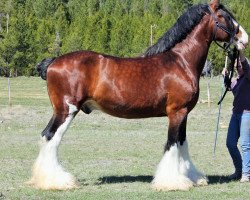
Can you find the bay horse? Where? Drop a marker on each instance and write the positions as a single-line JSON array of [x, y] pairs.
[[162, 82]]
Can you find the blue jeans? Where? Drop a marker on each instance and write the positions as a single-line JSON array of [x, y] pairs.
[[239, 127]]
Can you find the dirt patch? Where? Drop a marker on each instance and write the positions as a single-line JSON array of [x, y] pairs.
[[13, 112], [21, 114]]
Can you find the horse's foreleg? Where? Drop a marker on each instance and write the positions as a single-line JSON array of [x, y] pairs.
[[187, 167], [176, 171], [168, 174], [47, 171]]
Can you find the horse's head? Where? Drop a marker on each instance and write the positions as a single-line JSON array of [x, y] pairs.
[[226, 28]]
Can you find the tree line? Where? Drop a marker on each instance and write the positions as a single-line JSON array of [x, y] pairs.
[[31, 30]]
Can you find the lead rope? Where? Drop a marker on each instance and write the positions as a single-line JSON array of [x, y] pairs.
[[218, 118], [232, 57]]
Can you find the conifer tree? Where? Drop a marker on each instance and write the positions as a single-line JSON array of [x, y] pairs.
[[46, 28]]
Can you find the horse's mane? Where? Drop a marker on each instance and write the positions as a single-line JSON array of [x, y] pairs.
[[184, 25]]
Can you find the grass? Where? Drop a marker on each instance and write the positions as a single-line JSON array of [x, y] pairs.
[[112, 158]]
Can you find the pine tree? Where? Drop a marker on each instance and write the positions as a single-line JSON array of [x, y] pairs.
[[46, 28]]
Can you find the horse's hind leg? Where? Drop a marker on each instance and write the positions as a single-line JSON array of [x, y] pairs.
[[47, 171]]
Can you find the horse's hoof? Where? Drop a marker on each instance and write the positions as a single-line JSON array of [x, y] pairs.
[[163, 188], [42, 186], [203, 181], [66, 183], [183, 183]]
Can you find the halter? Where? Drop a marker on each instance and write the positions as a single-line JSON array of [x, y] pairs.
[[225, 29], [232, 55]]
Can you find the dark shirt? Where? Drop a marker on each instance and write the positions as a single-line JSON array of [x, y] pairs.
[[241, 90]]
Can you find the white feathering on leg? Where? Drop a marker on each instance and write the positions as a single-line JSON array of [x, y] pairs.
[[176, 170], [47, 171], [188, 169], [168, 176]]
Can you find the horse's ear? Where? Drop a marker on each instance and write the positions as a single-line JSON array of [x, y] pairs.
[[214, 4]]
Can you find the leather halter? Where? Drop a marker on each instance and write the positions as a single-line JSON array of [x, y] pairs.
[[221, 26], [233, 56]]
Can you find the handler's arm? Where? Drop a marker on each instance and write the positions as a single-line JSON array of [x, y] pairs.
[[245, 66]]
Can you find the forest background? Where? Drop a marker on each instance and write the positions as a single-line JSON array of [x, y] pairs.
[[31, 30]]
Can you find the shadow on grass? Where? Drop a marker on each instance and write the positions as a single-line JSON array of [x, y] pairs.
[[216, 179], [123, 179], [213, 179], [2, 196]]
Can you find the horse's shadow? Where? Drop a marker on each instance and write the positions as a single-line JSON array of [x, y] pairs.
[[124, 179], [213, 179], [218, 179]]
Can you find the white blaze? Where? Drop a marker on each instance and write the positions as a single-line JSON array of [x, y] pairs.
[[241, 41]]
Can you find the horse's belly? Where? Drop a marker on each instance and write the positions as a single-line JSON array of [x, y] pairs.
[[124, 111]]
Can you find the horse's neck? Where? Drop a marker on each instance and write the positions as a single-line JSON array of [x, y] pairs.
[[194, 49]]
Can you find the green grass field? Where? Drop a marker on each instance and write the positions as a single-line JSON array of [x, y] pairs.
[[111, 158]]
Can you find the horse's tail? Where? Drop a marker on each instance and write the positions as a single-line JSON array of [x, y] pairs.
[[43, 66]]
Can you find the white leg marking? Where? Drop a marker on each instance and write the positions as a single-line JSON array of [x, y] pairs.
[[176, 171], [188, 169], [47, 171], [168, 175]]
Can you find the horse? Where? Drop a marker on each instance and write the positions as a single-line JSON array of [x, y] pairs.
[[164, 82]]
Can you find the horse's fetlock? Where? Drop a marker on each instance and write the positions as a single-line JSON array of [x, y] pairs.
[[48, 135]]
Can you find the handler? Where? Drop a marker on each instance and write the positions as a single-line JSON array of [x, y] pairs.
[[239, 126]]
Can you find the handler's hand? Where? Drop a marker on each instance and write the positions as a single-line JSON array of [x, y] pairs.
[[224, 72]]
